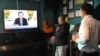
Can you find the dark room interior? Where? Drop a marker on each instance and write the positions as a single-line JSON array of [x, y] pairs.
[[33, 41]]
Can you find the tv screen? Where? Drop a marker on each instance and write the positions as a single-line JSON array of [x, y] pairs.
[[20, 19]]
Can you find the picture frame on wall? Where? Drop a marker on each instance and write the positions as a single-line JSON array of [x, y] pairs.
[[64, 1], [65, 10], [90, 2], [77, 13], [79, 2], [71, 4], [71, 14]]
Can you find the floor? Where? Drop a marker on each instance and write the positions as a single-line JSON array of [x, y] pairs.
[[23, 50]]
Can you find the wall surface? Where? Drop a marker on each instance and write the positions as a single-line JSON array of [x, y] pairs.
[[97, 9], [77, 7]]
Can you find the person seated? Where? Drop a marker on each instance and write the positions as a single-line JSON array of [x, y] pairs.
[[20, 21]]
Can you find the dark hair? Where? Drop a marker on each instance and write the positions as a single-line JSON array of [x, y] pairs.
[[47, 23], [20, 12], [88, 8], [62, 17]]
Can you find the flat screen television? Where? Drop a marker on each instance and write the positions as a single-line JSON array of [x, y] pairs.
[[20, 19]]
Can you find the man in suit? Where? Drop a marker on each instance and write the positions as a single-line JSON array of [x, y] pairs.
[[20, 20]]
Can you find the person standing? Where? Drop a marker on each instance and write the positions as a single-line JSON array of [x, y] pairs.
[[61, 36], [87, 37]]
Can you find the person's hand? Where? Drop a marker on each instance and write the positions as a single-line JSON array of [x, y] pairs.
[[52, 38], [57, 28], [74, 37]]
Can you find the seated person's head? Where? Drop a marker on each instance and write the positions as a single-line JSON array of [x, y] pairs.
[[46, 23]]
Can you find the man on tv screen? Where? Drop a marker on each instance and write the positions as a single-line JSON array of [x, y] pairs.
[[21, 21]]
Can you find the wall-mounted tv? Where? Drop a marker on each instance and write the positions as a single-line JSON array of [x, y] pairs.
[[20, 19]]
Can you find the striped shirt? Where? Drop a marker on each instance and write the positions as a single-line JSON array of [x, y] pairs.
[[88, 34]]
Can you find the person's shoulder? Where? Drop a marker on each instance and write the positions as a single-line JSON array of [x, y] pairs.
[[17, 19], [24, 19]]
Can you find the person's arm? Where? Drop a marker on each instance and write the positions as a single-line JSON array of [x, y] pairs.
[[83, 34], [16, 21], [25, 22]]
